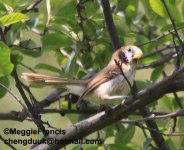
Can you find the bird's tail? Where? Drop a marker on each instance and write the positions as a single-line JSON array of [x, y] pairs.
[[45, 80]]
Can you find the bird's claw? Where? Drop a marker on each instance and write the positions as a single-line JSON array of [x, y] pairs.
[[78, 106], [124, 100]]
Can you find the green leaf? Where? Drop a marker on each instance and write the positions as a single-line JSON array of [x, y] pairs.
[[181, 125], [71, 65], [157, 72], [158, 7], [122, 5], [181, 130], [31, 53], [172, 2], [55, 40], [182, 9], [124, 137], [87, 59], [6, 66], [48, 67], [141, 84], [11, 3], [16, 58], [167, 102], [2, 9], [109, 140], [122, 147], [3, 80], [13, 18], [29, 48], [171, 144], [149, 60], [170, 27], [150, 14]]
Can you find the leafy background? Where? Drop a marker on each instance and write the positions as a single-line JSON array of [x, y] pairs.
[[39, 39]]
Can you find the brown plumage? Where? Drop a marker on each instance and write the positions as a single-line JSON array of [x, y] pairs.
[[106, 86]]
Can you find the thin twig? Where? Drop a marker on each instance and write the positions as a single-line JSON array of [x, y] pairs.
[[79, 63], [165, 59], [69, 111], [3, 38], [177, 53], [167, 47], [153, 117], [25, 47], [119, 64], [175, 33], [165, 134], [27, 67], [34, 113], [159, 37], [16, 97], [175, 95], [7, 143], [110, 24], [81, 20], [44, 122], [173, 24]]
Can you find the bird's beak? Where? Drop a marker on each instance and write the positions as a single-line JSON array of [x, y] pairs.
[[137, 56]]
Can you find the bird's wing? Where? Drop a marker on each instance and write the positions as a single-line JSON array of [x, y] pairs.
[[103, 76]]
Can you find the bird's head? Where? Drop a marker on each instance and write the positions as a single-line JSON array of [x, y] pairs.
[[128, 54]]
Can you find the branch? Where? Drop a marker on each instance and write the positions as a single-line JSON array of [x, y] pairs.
[[53, 97], [155, 134], [16, 97], [167, 47], [173, 24], [81, 19], [116, 44], [165, 134], [177, 54], [34, 113], [21, 116], [11, 115], [103, 119], [79, 63], [32, 6], [165, 59], [69, 111], [153, 116], [110, 24], [160, 37]]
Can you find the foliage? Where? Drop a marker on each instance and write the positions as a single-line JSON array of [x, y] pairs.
[[73, 34]]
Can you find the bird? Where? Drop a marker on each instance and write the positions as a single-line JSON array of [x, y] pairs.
[[106, 87]]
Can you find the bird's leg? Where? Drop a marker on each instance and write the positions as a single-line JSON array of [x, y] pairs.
[[117, 97], [105, 108], [78, 103]]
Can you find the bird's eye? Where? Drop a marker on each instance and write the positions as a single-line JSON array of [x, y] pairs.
[[129, 50]]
